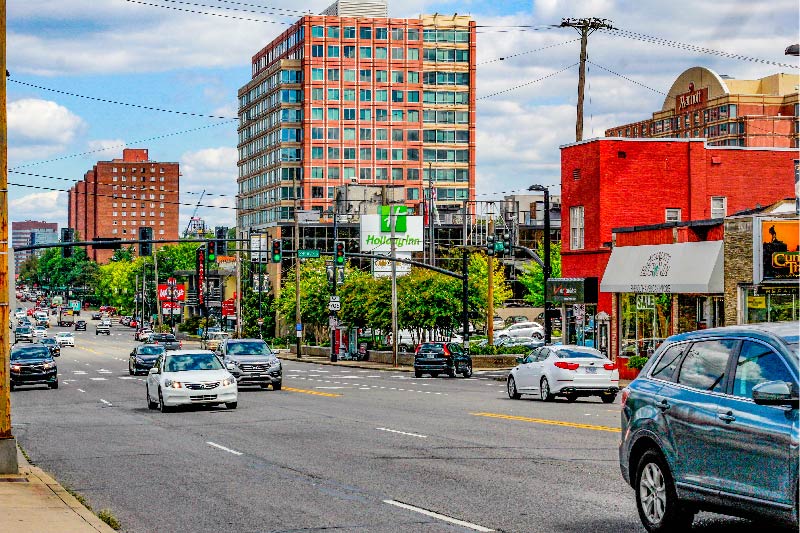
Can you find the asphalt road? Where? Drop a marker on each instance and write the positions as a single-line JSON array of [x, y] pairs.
[[336, 450]]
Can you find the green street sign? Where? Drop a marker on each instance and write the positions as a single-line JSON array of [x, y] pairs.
[[308, 254]]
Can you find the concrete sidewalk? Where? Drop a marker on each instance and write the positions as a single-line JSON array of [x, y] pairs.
[[34, 502]]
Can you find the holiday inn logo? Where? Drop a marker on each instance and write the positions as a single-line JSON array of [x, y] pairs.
[[400, 218]]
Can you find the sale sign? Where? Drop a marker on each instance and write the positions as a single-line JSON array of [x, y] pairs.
[[178, 292]]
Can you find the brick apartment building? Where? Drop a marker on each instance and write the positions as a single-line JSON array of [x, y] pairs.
[[612, 187], [25, 233], [355, 97], [117, 197], [728, 112]]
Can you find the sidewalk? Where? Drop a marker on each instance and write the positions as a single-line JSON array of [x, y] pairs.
[[34, 502]]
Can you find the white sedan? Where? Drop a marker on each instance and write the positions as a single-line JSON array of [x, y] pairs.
[[40, 332], [187, 377], [65, 338], [568, 371], [522, 329]]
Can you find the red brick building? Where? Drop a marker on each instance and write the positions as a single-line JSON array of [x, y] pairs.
[[682, 184], [117, 197]]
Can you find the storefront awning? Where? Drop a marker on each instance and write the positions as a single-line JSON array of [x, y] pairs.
[[686, 268]]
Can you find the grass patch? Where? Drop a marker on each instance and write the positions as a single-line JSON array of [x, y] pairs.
[[78, 496], [108, 517], [24, 453]]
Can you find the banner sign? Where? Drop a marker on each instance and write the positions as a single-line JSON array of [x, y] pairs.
[[777, 252], [572, 290], [376, 231], [165, 292]]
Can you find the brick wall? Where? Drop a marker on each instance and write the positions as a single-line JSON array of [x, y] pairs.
[[738, 257]]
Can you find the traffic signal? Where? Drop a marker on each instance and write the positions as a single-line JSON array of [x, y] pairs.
[[277, 253], [507, 243], [339, 256], [212, 250], [221, 235], [490, 245], [145, 234], [67, 235]]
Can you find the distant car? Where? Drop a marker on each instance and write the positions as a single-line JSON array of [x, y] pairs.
[[528, 342], [80, 325], [711, 423], [565, 370], [213, 340], [102, 329], [33, 365], [23, 334], [40, 331], [52, 345], [167, 340], [143, 357], [188, 377], [96, 316], [522, 329], [19, 313], [142, 334], [65, 338], [436, 358], [252, 361]]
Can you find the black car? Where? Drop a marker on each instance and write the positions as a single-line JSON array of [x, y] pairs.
[[436, 358], [167, 340], [33, 365], [23, 333], [96, 316], [80, 325], [52, 345], [143, 357]]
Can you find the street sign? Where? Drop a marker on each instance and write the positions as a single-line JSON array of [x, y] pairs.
[[309, 216], [307, 254], [334, 306], [334, 299]]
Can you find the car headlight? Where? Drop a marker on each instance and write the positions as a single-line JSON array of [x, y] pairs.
[[16, 368], [173, 384], [275, 362], [230, 380], [49, 365]]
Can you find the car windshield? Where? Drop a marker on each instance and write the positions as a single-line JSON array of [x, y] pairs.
[[249, 348], [574, 353], [430, 347], [64, 335], [151, 350], [23, 330], [48, 341], [32, 352], [192, 361]]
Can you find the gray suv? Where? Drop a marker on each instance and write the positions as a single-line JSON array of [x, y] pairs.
[[252, 362], [711, 423]]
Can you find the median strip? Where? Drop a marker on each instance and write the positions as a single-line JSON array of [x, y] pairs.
[[549, 422], [312, 392]]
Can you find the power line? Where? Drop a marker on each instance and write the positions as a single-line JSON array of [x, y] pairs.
[[626, 78], [527, 83], [250, 19], [527, 52], [271, 8], [107, 101]]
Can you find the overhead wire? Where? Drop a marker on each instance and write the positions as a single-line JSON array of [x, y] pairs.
[[626, 78], [503, 58], [185, 10], [527, 83]]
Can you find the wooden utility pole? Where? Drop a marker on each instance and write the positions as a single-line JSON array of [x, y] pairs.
[[585, 27]]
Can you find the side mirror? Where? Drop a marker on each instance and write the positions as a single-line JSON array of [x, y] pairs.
[[520, 360], [154, 370], [774, 393], [230, 366]]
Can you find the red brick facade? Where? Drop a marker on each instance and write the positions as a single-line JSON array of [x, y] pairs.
[[117, 197]]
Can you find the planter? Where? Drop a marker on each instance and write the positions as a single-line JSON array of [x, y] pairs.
[[624, 371]]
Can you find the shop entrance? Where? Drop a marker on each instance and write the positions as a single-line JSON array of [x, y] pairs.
[[644, 322], [580, 327]]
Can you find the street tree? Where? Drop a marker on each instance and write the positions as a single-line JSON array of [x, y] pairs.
[[314, 293], [532, 277]]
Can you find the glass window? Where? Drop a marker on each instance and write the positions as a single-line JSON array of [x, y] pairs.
[[365, 174], [413, 115], [397, 115], [397, 53], [349, 32], [397, 174], [672, 215], [317, 133], [317, 31], [381, 95], [333, 133], [665, 368], [349, 74], [381, 134], [365, 32], [316, 113], [317, 50], [333, 94], [380, 52], [365, 75], [317, 172], [349, 52], [317, 93], [397, 76], [382, 33], [333, 113], [381, 115], [413, 34], [412, 135], [397, 96], [316, 152], [349, 134], [349, 95], [365, 95], [718, 206], [413, 96], [412, 194], [397, 154], [365, 114], [381, 174], [365, 134], [397, 135], [349, 153], [413, 54], [333, 74], [317, 74], [350, 114], [758, 363], [576, 227], [333, 32], [365, 154], [705, 365], [412, 174], [333, 51], [397, 34], [333, 153], [381, 76]]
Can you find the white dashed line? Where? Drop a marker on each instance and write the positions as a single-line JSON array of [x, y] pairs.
[[215, 445], [80, 390], [403, 433], [105, 402], [469, 525], [98, 379]]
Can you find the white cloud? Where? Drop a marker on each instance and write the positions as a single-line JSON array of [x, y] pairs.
[[39, 128], [213, 170], [51, 206]]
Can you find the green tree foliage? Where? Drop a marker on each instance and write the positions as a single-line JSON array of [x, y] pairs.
[[314, 293], [478, 269], [532, 277], [29, 271], [250, 314], [75, 271], [116, 284], [174, 257]]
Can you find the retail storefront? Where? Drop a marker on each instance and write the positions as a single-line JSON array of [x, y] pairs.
[[577, 298], [660, 290]]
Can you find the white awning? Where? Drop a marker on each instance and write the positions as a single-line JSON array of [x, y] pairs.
[[686, 268]]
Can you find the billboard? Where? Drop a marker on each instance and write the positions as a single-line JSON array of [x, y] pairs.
[[376, 231], [777, 255], [179, 293]]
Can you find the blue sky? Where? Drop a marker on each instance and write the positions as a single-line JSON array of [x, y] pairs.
[[121, 50]]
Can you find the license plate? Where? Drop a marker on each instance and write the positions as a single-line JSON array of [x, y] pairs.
[[431, 356], [591, 370]]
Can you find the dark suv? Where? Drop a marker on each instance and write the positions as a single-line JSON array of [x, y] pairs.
[[711, 423], [436, 358], [33, 365], [252, 362]]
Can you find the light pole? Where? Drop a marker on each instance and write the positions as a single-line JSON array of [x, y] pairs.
[[334, 356], [546, 269], [431, 238]]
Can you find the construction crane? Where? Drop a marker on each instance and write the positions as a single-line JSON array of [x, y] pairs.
[[195, 223]]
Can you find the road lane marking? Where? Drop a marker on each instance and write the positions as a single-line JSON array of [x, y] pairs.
[[403, 433], [215, 445], [98, 379], [549, 422], [126, 377], [104, 371], [105, 402], [326, 388], [79, 372], [456, 521], [80, 390], [313, 392]]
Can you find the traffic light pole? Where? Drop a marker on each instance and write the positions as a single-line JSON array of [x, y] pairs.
[[334, 315]]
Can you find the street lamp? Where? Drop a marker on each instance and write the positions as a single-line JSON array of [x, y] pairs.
[[546, 269], [334, 356]]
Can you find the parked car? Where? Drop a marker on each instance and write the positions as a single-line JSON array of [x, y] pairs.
[[33, 365], [143, 357], [522, 329], [188, 377], [565, 370], [529, 342], [65, 338], [167, 340], [252, 362], [125, 320], [40, 331], [23, 334], [19, 313], [80, 325], [102, 329], [436, 358], [711, 423], [51, 345]]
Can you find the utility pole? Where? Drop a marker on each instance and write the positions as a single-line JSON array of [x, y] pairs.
[[297, 315], [585, 26], [238, 301], [8, 445], [158, 302], [333, 314], [394, 284], [490, 291], [431, 205]]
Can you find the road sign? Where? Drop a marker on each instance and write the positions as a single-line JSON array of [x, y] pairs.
[[172, 282], [334, 299], [334, 306], [307, 254]]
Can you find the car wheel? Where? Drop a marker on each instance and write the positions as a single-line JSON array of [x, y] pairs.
[[544, 391], [277, 386], [511, 388], [656, 498], [130, 368], [453, 372], [434, 374], [467, 371], [161, 407], [53, 385], [150, 404], [608, 398], [417, 374], [571, 397], [231, 405]]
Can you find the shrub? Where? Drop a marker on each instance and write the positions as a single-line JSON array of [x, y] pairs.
[[637, 362]]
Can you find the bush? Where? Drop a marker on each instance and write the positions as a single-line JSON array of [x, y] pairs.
[[498, 350], [637, 362]]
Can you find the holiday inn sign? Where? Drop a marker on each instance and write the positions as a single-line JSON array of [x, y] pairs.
[[376, 230]]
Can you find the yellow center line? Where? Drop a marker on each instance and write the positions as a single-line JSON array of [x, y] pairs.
[[313, 392], [549, 422], [88, 350]]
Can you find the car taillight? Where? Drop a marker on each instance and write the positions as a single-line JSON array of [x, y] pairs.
[[180, 344], [610, 366], [566, 366]]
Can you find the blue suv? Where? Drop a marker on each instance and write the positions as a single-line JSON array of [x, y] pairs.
[[711, 424]]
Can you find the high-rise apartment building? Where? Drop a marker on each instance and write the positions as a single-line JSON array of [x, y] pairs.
[[117, 197], [350, 98], [28, 232]]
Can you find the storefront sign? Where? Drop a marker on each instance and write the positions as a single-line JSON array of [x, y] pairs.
[[572, 290], [690, 99], [165, 292], [777, 251], [376, 232], [756, 302]]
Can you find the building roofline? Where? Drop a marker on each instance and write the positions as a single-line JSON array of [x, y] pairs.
[[680, 140], [669, 225]]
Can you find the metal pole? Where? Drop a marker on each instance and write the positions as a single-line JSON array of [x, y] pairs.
[[546, 270], [465, 296], [297, 314], [334, 314], [490, 290], [394, 285], [158, 302], [431, 238], [238, 328]]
